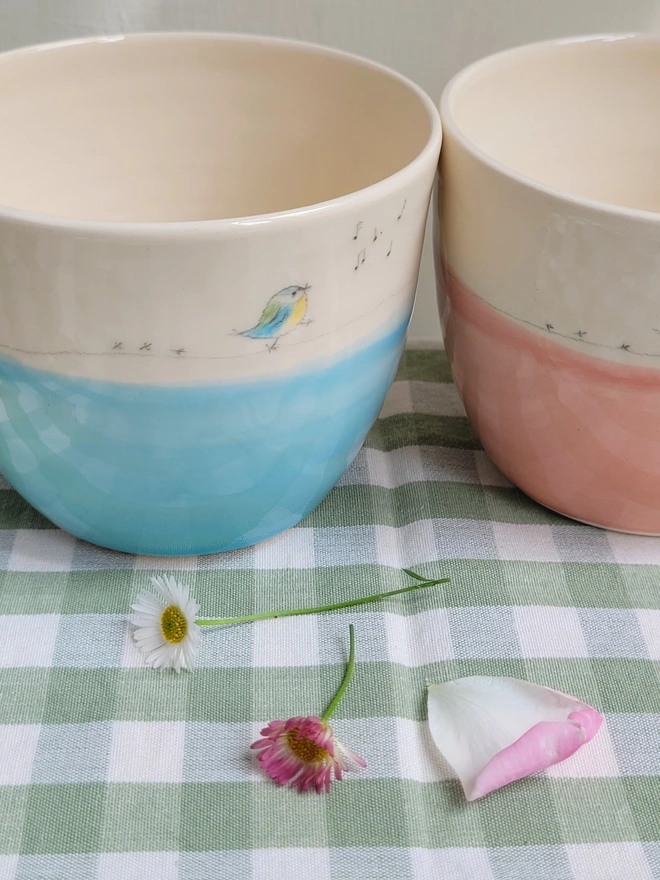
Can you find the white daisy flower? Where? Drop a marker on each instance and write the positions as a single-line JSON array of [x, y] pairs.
[[166, 628]]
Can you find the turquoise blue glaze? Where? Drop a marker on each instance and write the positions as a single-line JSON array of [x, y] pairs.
[[187, 470]]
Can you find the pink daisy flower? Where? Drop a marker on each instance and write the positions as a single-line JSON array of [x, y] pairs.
[[304, 751]]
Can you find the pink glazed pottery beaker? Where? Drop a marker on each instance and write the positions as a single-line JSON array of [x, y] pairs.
[[548, 263]]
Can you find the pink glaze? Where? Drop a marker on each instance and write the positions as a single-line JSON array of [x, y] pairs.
[[576, 432]]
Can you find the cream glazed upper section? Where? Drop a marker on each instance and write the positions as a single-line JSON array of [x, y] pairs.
[[552, 191], [161, 309], [193, 207]]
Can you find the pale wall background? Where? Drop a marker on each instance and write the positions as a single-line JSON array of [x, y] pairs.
[[428, 40]]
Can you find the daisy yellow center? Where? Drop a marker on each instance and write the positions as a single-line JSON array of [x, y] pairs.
[[305, 748], [173, 624]]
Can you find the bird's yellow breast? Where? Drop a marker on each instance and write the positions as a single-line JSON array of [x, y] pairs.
[[299, 311]]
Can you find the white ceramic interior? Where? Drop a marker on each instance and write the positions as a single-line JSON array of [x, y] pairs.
[[581, 117], [166, 128]]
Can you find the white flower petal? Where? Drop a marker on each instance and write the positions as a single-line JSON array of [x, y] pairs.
[[147, 602], [189, 652], [493, 731], [178, 592], [162, 656], [180, 661], [143, 611], [153, 615], [142, 619], [149, 643], [195, 635], [161, 591], [149, 629], [191, 609]]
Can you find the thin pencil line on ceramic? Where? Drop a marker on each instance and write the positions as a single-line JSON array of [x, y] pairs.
[[121, 352], [576, 336]]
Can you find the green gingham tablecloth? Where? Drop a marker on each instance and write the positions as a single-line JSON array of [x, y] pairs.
[[110, 770]]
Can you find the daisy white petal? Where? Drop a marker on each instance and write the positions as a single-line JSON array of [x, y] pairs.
[[141, 607], [149, 643], [165, 621]]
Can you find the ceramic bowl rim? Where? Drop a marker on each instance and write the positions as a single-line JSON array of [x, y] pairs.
[[449, 124], [238, 225]]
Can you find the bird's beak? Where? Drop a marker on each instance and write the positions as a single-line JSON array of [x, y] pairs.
[[307, 287]]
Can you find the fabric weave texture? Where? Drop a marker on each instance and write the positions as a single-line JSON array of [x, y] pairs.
[[109, 769]]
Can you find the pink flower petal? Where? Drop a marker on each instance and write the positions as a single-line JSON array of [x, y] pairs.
[[545, 744], [493, 731], [590, 721], [351, 755]]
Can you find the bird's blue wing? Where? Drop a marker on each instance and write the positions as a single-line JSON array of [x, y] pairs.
[[272, 319]]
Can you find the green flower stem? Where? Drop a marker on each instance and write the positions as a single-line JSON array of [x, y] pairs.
[[348, 675], [349, 604]]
